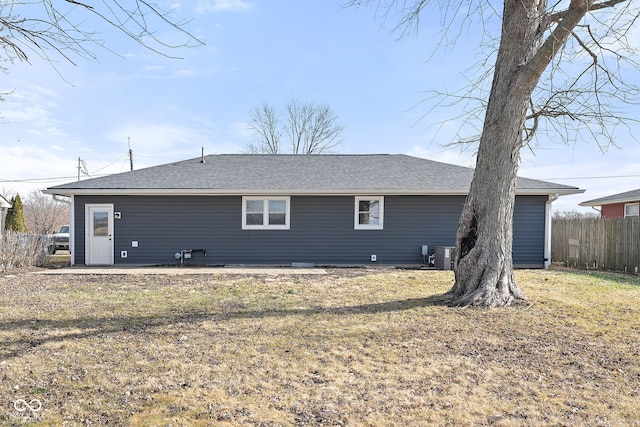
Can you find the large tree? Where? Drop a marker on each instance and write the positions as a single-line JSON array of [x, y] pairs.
[[529, 86], [310, 128]]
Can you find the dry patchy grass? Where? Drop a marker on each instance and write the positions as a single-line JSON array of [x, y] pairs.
[[356, 347]]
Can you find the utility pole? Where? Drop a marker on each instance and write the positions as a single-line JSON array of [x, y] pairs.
[[130, 153], [82, 167]]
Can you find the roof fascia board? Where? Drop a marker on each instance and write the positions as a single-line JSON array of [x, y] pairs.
[[609, 202], [4, 203], [297, 192]]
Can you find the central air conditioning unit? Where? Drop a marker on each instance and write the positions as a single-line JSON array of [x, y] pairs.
[[445, 256]]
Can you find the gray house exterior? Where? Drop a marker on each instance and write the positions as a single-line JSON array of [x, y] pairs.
[[287, 209]]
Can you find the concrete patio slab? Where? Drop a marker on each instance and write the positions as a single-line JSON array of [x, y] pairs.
[[183, 271]]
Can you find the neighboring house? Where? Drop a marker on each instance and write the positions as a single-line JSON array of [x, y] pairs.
[[288, 209], [5, 205], [617, 205]]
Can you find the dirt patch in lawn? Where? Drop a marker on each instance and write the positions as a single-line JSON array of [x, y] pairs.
[[354, 347]]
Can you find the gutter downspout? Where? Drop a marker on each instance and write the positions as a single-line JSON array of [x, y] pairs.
[[72, 229], [547, 229], [62, 199]]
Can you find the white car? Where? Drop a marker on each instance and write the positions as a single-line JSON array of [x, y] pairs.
[[59, 240]]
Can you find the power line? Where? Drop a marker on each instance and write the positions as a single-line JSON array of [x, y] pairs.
[[45, 180], [109, 164], [64, 178], [38, 180]]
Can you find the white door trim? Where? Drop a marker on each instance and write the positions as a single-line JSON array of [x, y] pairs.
[[91, 243]]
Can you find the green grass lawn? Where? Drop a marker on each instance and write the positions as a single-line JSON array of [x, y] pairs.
[[354, 347]]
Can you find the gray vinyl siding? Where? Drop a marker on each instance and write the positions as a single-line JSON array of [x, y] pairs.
[[528, 231], [321, 230]]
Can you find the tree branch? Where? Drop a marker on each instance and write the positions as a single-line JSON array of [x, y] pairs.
[[557, 39], [52, 27], [557, 16]]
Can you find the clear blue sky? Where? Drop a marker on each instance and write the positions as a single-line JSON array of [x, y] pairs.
[[262, 51]]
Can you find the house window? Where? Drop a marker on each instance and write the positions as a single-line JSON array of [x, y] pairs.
[[265, 213], [632, 209], [369, 213]]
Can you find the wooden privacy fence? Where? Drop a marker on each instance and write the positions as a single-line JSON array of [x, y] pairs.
[[605, 244]]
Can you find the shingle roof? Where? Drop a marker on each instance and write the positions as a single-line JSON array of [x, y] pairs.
[[297, 174], [627, 196]]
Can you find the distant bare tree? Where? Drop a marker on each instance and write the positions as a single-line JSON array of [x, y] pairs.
[[44, 214], [266, 125], [311, 128], [573, 214]]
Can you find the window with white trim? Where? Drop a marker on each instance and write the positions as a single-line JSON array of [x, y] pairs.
[[265, 213], [631, 209], [369, 213]]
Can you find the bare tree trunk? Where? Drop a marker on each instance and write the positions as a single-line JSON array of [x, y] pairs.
[[484, 265]]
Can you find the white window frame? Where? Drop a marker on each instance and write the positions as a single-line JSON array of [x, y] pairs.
[[628, 205], [265, 213], [356, 215]]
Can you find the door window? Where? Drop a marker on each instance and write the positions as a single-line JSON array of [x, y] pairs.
[[100, 224]]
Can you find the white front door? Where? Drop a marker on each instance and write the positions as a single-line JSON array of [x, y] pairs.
[[99, 235]]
